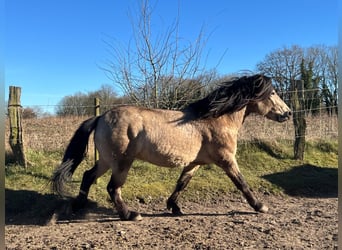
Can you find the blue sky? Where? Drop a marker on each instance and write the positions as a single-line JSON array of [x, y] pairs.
[[55, 48]]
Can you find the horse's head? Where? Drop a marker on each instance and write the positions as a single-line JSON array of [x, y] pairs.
[[273, 107], [254, 92]]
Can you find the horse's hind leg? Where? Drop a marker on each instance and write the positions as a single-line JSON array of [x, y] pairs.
[[182, 182], [232, 170], [88, 179], [117, 180]]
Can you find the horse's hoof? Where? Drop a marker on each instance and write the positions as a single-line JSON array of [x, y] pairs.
[[131, 216], [134, 216], [263, 209], [177, 212], [175, 209]]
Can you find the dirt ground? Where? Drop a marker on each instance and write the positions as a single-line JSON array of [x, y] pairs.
[[291, 223]]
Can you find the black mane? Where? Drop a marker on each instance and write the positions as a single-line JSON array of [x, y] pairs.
[[232, 96]]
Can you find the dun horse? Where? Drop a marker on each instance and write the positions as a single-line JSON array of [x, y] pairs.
[[205, 132]]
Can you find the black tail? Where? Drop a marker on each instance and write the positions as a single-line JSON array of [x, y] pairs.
[[73, 155]]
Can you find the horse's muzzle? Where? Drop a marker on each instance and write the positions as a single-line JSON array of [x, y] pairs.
[[284, 117]]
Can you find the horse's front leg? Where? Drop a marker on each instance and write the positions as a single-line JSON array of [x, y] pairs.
[[229, 165]]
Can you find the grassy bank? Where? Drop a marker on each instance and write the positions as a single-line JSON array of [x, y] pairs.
[[267, 166]]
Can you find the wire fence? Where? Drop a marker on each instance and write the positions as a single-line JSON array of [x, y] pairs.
[[52, 133], [43, 110]]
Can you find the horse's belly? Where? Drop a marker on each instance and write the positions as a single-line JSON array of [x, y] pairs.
[[170, 162], [168, 156]]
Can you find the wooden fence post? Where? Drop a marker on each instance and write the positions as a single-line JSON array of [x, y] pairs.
[[96, 113], [299, 122], [15, 116]]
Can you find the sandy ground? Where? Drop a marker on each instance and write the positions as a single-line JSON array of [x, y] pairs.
[[291, 223]]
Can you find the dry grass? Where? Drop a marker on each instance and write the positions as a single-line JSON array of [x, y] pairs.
[[48, 134], [321, 127], [53, 133]]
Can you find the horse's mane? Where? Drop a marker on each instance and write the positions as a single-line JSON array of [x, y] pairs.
[[232, 96]]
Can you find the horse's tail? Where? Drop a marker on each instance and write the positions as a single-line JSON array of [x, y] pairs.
[[73, 155]]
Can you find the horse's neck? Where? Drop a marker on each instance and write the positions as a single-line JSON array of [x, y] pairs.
[[230, 123], [236, 119]]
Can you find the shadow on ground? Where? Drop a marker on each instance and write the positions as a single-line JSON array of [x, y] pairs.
[[307, 181], [26, 207]]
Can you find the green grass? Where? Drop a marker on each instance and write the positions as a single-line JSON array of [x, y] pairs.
[[267, 166]]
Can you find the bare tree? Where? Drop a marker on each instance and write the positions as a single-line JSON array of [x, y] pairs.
[[325, 68], [283, 66], [154, 67], [286, 65], [81, 104], [33, 112]]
